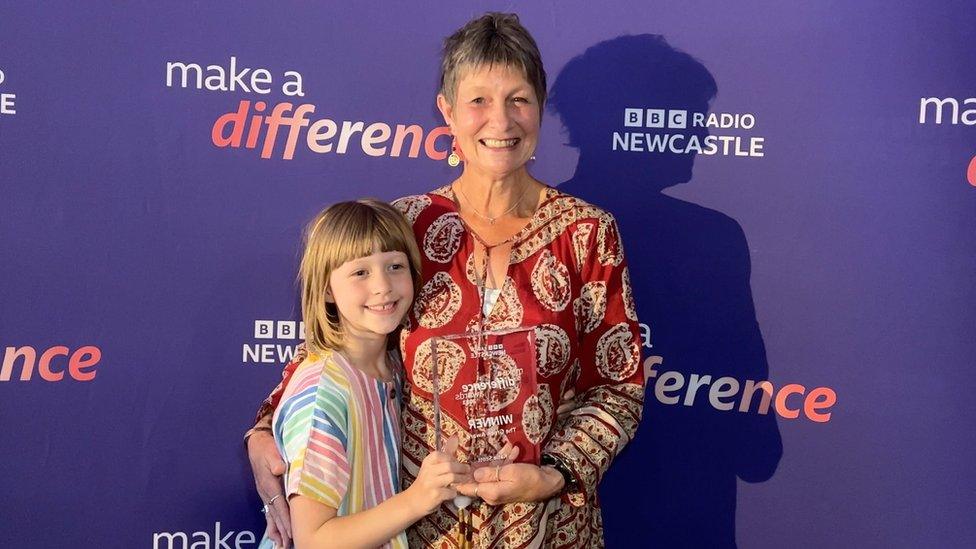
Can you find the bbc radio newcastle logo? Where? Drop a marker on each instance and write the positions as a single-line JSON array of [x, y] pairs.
[[7, 100], [275, 342], [678, 131]]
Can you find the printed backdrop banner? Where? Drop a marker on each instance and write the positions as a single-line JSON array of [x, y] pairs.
[[794, 186]]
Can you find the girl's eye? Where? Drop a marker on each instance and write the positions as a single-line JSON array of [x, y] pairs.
[[397, 267], [360, 272]]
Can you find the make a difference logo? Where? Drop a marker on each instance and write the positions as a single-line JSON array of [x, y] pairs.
[[280, 129], [935, 110]]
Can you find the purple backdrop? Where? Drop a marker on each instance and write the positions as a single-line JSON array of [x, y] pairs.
[[819, 236]]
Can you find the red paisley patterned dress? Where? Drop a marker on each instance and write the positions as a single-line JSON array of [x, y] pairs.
[[568, 278]]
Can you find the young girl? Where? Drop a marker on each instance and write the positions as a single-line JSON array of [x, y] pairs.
[[338, 424]]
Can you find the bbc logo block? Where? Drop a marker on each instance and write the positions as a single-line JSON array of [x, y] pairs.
[[655, 118], [279, 329], [282, 350], [677, 119]]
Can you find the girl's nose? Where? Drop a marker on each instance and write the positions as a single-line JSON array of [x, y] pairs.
[[382, 285]]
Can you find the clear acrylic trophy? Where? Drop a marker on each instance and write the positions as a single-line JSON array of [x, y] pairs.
[[486, 382]]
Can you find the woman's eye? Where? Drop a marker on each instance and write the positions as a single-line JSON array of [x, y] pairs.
[[478, 100], [520, 100]]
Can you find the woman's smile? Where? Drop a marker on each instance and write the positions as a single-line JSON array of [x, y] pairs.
[[500, 144]]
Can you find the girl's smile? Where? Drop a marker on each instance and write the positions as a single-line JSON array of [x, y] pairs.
[[372, 293]]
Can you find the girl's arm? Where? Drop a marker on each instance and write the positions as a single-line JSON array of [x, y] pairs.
[[315, 524]]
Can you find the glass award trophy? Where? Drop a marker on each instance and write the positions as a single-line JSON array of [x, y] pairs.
[[486, 382]]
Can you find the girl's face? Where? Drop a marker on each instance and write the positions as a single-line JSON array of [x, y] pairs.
[[372, 294], [495, 119]]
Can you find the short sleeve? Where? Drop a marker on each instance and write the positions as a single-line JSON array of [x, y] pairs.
[[315, 445]]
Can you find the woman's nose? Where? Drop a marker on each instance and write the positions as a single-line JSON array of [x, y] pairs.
[[499, 115]]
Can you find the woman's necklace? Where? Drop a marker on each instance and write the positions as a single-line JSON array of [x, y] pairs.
[[489, 219]]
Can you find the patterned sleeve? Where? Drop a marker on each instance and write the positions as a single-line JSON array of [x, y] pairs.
[[314, 443], [610, 384]]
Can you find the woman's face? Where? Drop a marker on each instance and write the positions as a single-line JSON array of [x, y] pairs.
[[495, 119]]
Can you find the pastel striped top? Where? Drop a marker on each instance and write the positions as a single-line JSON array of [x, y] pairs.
[[338, 430]]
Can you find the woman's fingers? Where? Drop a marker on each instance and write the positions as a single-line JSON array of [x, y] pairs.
[[282, 516], [491, 473], [267, 466], [272, 532], [568, 402], [502, 454], [493, 493], [507, 456]]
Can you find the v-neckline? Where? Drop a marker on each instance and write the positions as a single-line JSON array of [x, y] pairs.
[[548, 194], [514, 240]]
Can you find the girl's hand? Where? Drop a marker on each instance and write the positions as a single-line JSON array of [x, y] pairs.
[[436, 482]]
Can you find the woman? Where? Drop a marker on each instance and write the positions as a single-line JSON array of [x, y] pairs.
[[502, 250]]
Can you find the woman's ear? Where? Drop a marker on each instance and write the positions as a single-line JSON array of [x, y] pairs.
[[447, 111], [329, 298]]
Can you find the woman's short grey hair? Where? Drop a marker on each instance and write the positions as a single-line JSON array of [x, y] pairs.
[[492, 39]]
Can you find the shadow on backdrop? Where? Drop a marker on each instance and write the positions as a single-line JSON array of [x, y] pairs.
[[675, 484]]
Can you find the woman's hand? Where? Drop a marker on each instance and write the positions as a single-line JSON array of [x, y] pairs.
[[514, 482], [567, 403], [504, 481], [267, 466], [439, 474]]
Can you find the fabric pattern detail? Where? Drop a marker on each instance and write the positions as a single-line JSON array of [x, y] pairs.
[[438, 301]]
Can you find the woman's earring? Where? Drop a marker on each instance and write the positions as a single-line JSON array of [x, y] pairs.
[[453, 159]]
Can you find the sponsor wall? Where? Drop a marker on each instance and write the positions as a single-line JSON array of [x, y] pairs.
[[795, 185]]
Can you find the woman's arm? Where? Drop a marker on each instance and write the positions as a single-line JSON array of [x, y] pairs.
[[266, 463], [610, 384]]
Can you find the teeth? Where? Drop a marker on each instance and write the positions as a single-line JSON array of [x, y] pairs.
[[499, 143], [385, 307]]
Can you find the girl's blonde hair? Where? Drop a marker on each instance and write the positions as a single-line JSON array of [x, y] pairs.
[[340, 233]]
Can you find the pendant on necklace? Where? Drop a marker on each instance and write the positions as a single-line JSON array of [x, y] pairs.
[[491, 220]]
